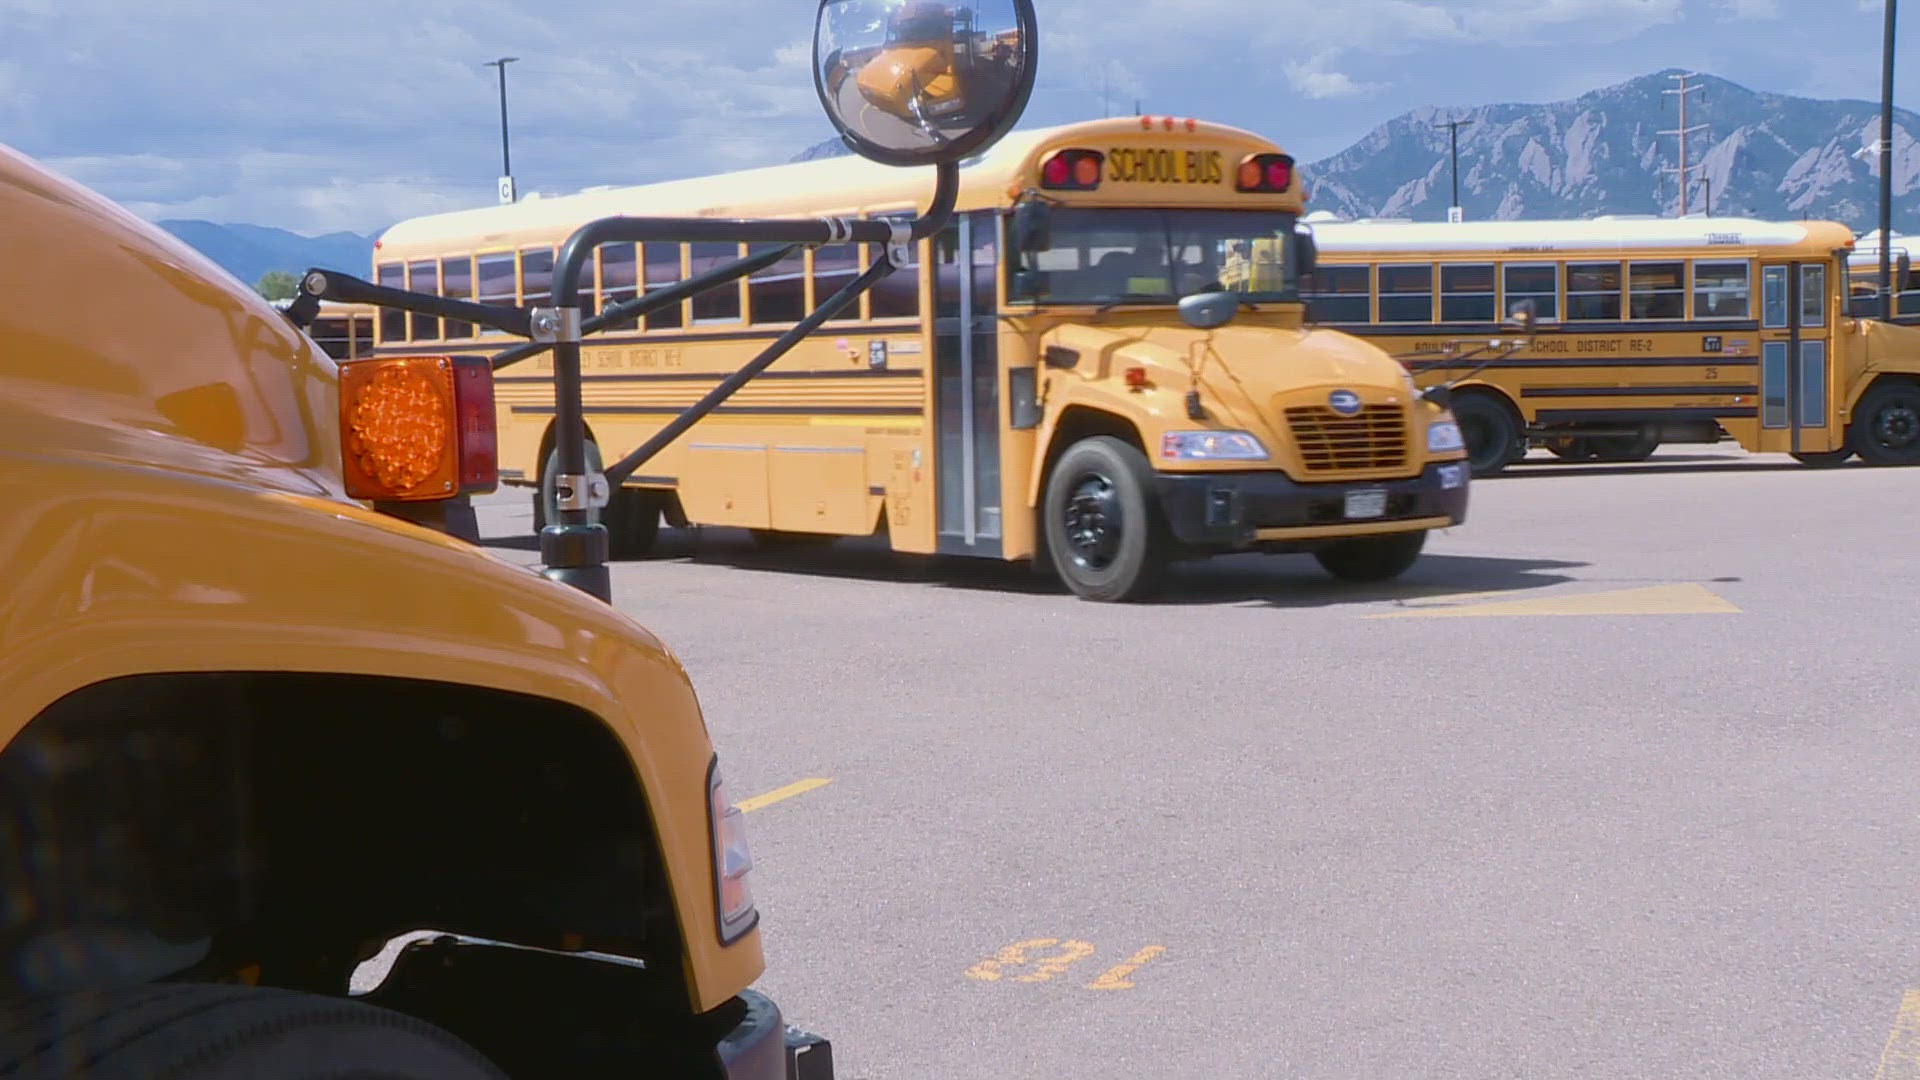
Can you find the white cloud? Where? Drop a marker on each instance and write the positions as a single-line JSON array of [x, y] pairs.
[[1313, 78], [1753, 9]]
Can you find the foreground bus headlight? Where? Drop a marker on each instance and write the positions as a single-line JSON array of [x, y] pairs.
[[1443, 436], [1211, 446], [734, 912]]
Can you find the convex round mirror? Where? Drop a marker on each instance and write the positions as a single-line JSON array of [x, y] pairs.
[[919, 82]]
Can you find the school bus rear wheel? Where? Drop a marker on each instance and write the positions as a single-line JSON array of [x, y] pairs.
[[1103, 533]]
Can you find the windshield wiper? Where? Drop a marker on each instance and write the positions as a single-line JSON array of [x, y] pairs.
[[1132, 298]]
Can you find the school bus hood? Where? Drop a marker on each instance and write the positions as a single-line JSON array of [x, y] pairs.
[[894, 76], [132, 346]]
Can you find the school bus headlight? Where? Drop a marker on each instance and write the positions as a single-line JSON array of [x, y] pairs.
[[1211, 446], [734, 913], [417, 427], [1443, 436]]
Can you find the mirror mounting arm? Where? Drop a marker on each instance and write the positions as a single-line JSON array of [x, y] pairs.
[[317, 285]]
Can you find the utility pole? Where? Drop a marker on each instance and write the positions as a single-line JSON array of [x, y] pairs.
[[1886, 167], [1683, 131], [507, 193], [1454, 213]]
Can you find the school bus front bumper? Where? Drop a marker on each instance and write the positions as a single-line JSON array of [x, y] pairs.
[[1244, 509]]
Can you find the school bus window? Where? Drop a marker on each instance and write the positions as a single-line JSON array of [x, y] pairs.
[[1722, 290], [393, 323], [777, 294], [456, 279], [834, 268], [897, 296], [1466, 294], [1773, 297], [1406, 294], [663, 269], [1343, 294], [1593, 292], [719, 305], [496, 283], [332, 336], [1657, 290], [536, 277], [619, 281], [362, 335], [1813, 295], [1538, 282], [424, 277]]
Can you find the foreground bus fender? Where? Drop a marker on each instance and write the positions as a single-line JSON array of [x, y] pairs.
[[159, 573]]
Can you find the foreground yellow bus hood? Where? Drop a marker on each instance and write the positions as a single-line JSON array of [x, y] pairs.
[[170, 501]]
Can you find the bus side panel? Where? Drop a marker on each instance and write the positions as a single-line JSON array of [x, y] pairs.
[[723, 478]]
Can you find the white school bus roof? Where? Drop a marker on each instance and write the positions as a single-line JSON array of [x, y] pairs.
[[1600, 234], [842, 185]]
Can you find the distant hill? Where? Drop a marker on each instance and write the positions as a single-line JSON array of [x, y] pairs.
[[831, 148], [1766, 155], [248, 251]]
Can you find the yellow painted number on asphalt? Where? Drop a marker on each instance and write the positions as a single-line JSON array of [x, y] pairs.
[[1046, 967], [1900, 1059], [1115, 978]]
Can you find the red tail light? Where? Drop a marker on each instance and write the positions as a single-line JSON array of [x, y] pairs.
[[417, 428], [1072, 170], [1266, 172]]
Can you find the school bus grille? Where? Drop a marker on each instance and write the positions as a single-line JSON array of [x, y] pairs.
[[1374, 438]]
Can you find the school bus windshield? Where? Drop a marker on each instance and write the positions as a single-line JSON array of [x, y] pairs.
[[1109, 256]]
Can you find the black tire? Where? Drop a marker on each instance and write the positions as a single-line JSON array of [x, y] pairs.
[[1102, 526], [633, 522], [1490, 431], [1623, 448], [1372, 558], [1823, 459], [189, 1031], [1886, 425]]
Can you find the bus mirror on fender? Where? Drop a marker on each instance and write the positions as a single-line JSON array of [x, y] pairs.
[[1209, 311], [1032, 226], [926, 82], [1522, 315]]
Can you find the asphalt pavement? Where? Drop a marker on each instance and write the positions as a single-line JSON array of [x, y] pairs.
[[1619, 781]]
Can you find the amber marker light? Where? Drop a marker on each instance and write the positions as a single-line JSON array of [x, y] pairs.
[[416, 428]]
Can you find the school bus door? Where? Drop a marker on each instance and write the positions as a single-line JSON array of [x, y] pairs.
[[1796, 359]]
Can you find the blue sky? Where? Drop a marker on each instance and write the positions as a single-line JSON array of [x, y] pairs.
[[356, 113]]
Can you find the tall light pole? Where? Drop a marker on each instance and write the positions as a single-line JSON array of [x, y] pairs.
[[1454, 213], [1886, 167], [506, 161]]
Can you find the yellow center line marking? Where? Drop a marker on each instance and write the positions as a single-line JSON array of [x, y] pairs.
[[798, 787], [1688, 599], [1900, 1060]]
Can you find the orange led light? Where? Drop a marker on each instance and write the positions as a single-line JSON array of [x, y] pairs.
[[397, 428], [1086, 172]]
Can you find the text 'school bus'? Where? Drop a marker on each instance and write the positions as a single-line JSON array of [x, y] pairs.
[[1027, 387], [1650, 330], [252, 728]]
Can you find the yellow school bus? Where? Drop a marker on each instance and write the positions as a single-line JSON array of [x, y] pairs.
[[343, 331], [254, 728], [1651, 331], [1027, 387]]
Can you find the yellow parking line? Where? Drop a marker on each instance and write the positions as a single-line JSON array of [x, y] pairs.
[[798, 787], [1900, 1060]]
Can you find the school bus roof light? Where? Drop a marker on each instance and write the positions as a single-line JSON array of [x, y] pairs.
[[1266, 173], [1072, 170], [417, 428]]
